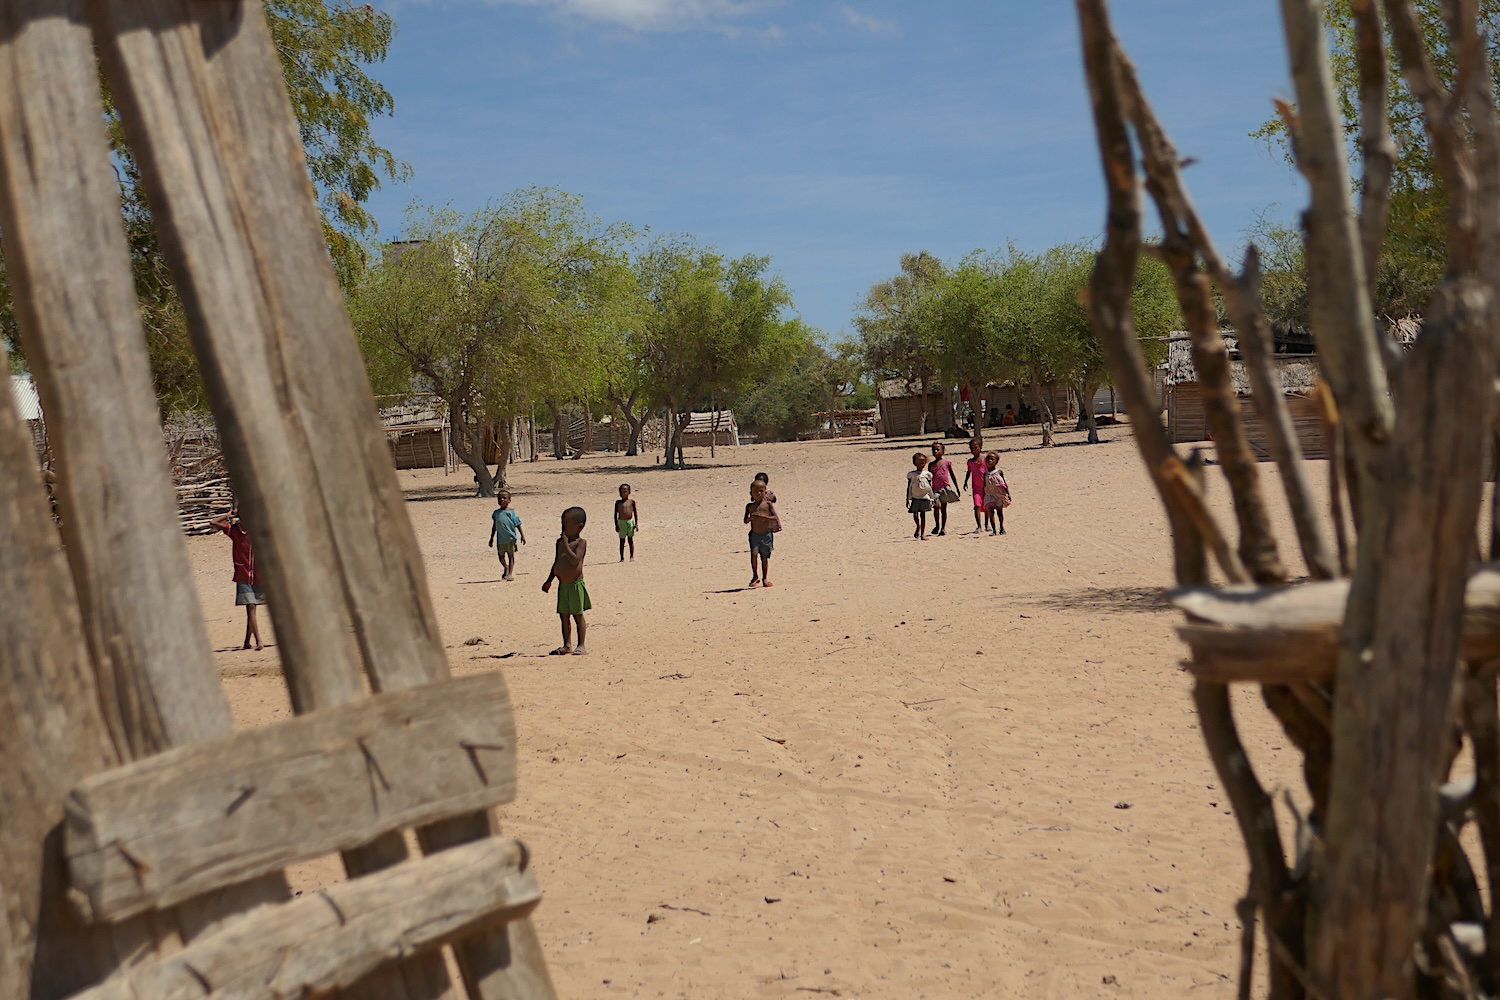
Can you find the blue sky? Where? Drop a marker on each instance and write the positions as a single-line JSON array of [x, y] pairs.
[[831, 136]]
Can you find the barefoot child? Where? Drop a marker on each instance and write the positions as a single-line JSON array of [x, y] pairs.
[[505, 529], [919, 495], [247, 588], [974, 476], [760, 514], [625, 520], [996, 494], [944, 487], [567, 570]]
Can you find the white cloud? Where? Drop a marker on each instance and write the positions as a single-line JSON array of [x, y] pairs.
[[658, 15], [868, 22]]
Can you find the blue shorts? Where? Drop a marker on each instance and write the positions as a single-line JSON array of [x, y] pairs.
[[246, 595], [762, 542]]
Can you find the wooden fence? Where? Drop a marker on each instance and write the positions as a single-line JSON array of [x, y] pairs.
[[143, 840]]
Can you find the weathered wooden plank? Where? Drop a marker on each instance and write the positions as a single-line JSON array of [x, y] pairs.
[[330, 939], [175, 825], [74, 293], [201, 95], [1298, 627], [51, 732], [79, 321], [200, 92]]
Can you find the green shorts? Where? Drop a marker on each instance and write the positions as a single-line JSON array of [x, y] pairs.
[[626, 528], [506, 549], [572, 598]]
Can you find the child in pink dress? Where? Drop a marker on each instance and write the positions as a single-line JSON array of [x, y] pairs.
[[944, 487], [974, 477], [996, 494]]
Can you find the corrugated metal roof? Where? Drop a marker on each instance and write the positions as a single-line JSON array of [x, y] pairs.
[[27, 401]]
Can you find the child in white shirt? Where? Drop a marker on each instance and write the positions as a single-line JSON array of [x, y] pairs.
[[919, 495]]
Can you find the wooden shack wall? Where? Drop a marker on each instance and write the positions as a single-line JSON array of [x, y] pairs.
[[901, 416], [1187, 421], [418, 449]]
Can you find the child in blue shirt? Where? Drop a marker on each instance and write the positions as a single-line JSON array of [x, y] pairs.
[[506, 529]]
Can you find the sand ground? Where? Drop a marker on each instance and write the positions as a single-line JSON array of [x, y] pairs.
[[965, 767]]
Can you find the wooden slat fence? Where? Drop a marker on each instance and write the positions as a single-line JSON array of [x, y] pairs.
[[107, 684]]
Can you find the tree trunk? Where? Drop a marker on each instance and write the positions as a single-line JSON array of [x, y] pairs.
[[462, 438], [627, 408], [1086, 422], [505, 436], [678, 426], [1044, 411], [922, 405], [713, 428], [559, 432], [588, 431], [667, 423]]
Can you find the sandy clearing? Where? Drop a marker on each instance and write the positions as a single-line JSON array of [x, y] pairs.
[[960, 717]]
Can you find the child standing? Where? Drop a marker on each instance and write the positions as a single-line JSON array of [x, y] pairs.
[[625, 521], [944, 487], [919, 495], [974, 478], [996, 494], [760, 514], [247, 589], [567, 570], [505, 528]]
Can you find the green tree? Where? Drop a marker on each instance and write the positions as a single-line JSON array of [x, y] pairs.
[[808, 378], [1074, 352], [709, 324], [493, 312], [1414, 251], [898, 330], [325, 47]]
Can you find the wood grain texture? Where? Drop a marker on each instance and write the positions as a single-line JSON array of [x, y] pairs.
[[330, 939], [200, 92], [155, 684], [201, 95], [76, 309], [181, 823], [51, 732]]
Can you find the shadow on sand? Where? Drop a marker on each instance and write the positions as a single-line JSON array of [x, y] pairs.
[[1112, 599]]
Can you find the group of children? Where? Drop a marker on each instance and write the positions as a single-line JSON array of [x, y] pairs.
[[933, 485]]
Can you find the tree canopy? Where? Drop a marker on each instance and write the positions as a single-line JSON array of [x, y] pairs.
[[325, 47], [1414, 252]]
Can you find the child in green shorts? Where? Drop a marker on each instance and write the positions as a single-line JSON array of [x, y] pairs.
[[567, 570]]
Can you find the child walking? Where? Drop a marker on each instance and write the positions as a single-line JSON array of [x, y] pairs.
[[944, 487], [974, 478], [625, 521], [567, 570], [760, 514], [996, 494], [919, 495], [247, 589], [505, 528]]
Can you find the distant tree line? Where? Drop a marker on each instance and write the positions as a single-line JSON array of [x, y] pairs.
[[998, 317], [532, 304]]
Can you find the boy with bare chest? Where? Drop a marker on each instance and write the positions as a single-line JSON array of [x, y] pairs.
[[760, 514]]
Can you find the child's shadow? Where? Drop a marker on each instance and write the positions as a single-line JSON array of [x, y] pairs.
[[732, 590]]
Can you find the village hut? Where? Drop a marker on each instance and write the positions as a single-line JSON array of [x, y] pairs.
[[1187, 419], [901, 408], [711, 428], [842, 423], [29, 405]]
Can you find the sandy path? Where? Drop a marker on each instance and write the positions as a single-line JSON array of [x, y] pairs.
[[902, 772]]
